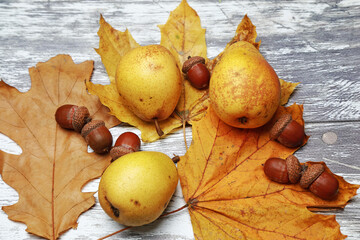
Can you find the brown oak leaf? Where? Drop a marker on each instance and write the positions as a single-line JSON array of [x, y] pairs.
[[54, 164], [229, 196]]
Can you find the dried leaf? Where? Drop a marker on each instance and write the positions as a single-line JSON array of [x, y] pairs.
[[287, 88], [54, 164], [182, 34], [175, 35], [230, 197], [184, 37], [109, 96], [113, 45], [246, 31]]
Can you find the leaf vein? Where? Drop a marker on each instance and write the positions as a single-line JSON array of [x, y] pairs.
[[17, 170], [244, 224]]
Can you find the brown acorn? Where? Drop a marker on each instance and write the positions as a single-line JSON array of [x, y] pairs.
[[294, 168], [320, 182], [283, 171], [196, 72], [288, 132], [72, 117], [98, 136], [127, 142]]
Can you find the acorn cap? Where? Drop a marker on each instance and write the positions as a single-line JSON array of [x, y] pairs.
[[279, 126], [311, 174], [80, 117], [191, 62], [91, 126], [120, 151], [294, 168]]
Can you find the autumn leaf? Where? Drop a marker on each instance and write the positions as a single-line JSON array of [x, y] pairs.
[[230, 197], [54, 164], [245, 31], [113, 45], [183, 36], [287, 88]]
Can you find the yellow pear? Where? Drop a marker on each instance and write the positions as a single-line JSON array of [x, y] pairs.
[[149, 82], [136, 188], [244, 89]]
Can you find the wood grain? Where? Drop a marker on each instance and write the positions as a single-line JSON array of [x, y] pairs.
[[313, 42]]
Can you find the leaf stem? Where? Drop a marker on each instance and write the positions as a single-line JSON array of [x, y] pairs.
[[112, 234], [175, 211], [126, 228], [184, 133]]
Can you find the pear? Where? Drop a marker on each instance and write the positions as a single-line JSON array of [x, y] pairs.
[[244, 89], [149, 82], [136, 188]]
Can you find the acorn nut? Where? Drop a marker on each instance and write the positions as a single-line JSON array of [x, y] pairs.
[[196, 72], [288, 132], [283, 171], [72, 117], [320, 182], [127, 142], [97, 135]]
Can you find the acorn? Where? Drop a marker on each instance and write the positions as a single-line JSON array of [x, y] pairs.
[[98, 136], [288, 132], [127, 142], [320, 182], [283, 171], [196, 72], [72, 117]]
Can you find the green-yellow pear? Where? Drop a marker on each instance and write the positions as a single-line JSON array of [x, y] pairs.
[[136, 188], [149, 82], [244, 89]]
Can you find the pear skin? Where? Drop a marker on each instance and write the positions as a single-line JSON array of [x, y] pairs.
[[149, 82], [244, 89], [136, 188]]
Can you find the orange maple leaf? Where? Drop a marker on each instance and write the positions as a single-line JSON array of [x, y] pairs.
[[54, 164], [230, 197]]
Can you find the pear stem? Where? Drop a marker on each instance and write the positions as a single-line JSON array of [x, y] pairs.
[[158, 129]]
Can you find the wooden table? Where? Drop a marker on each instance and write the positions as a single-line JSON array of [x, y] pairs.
[[313, 42]]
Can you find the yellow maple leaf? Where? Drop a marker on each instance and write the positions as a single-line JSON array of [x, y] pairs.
[[113, 45], [287, 88], [229, 196]]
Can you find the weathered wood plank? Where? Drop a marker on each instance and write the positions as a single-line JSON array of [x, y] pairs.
[[314, 42], [342, 155]]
